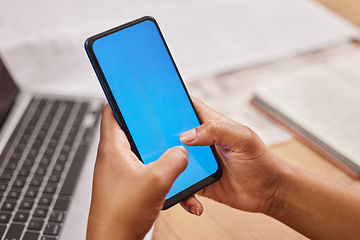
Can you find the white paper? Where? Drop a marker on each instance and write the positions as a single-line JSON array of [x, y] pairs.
[[42, 44], [205, 36], [323, 99]]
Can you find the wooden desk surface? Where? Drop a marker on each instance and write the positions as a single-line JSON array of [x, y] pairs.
[[221, 222]]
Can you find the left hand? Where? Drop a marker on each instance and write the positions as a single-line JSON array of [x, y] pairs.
[[128, 195]]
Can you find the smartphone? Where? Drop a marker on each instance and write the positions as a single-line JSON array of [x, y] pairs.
[[150, 102]]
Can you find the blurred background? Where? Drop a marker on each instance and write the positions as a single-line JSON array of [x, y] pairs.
[[223, 48]]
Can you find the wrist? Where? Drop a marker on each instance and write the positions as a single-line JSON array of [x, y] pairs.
[[106, 226], [276, 203]]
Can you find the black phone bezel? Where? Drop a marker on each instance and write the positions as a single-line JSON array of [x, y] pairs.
[[186, 193]]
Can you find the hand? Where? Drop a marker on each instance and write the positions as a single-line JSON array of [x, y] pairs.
[[251, 172], [128, 195], [256, 180]]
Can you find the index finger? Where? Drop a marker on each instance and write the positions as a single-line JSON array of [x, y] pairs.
[[110, 130]]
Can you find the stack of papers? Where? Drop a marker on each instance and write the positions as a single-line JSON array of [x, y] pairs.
[[320, 103], [212, 42], [206, 37]]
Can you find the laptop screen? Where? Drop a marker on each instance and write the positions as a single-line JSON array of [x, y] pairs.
[[8, 92]]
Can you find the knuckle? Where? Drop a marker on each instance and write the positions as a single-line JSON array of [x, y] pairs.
[[249, 139], [248, 133], [213, 125], [158, 179]]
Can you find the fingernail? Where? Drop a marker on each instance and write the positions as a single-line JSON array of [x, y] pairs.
[[183, 149], [188, 136], [194, 210]]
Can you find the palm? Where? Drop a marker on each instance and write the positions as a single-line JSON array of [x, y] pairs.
[[243, 183]]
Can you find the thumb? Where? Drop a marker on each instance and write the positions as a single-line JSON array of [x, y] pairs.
[[230, 135], [169, 166]]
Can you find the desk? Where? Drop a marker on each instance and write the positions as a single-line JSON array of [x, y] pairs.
[[221, 222]]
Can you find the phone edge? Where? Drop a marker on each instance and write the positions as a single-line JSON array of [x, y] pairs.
[[186, 193]]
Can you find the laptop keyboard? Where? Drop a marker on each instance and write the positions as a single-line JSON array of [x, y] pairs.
[[40, 167]]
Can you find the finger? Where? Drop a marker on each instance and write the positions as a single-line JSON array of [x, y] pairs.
[[206, 113], [193, 205], [227, 135], [110, 130], [169, 166]]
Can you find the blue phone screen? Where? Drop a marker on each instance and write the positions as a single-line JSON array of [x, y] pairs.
[[151, 98]]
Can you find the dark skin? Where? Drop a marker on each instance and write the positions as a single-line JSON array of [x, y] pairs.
[[254, 180]]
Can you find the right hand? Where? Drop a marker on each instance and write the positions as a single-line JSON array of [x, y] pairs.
[[256, 180], [251, 172]]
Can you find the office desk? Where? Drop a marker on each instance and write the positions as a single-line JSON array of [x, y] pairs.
[[221, 222]]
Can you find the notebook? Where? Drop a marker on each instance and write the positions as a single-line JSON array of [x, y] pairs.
[[320, 103]]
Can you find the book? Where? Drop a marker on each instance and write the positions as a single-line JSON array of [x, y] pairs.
[[321, 104]]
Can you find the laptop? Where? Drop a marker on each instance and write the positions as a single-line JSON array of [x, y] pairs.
[[48, 147]]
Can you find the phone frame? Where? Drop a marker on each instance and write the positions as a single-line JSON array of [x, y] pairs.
[[186, 193]]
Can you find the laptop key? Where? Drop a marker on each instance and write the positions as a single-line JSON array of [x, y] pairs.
[[59, 168], [50, 189], [63, 157], [2, 230], [19, 183], [35, 224], [29, 162], [55, 177], [45, 160], [8, 206], [11, 165], [19, 148], [40, 212], [24, 172], [46, 201], [5, 217], [21, 216], [31, 236], [31, 193], [6, 175], [3, 186], [61, 204], [52, 229], [15, 157], [26, 204], [41, 171], [14, 232], [14, 194], [56, 217], [35, 182]]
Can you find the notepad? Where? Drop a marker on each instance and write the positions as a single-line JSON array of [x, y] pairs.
[[321, 104]]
